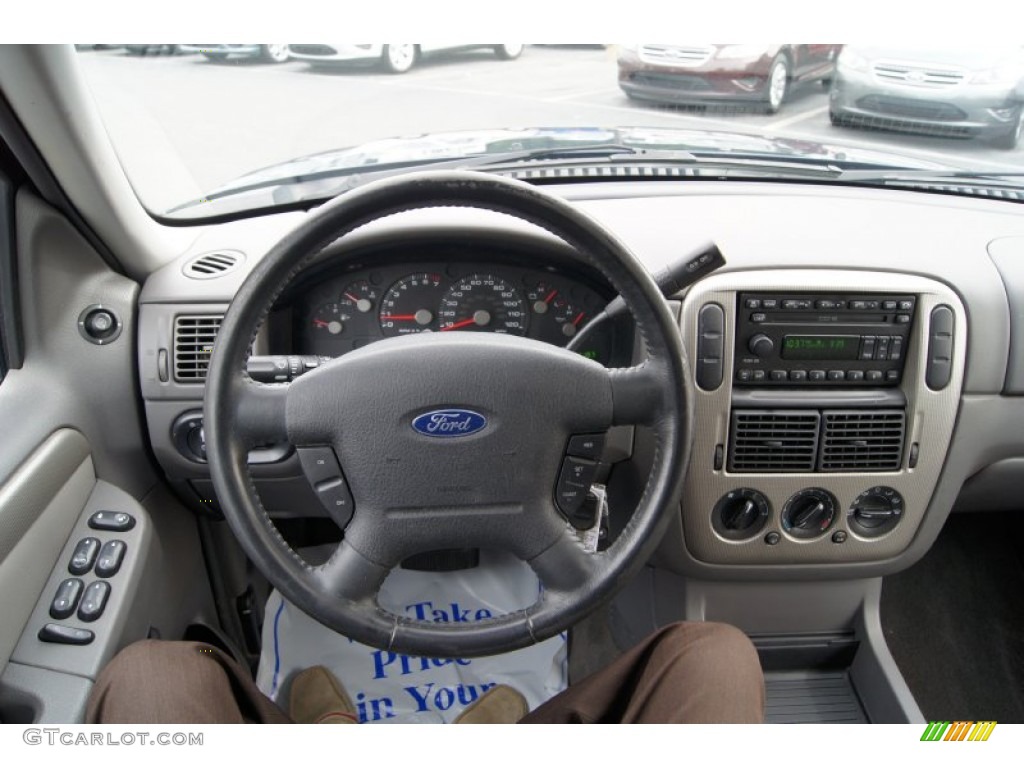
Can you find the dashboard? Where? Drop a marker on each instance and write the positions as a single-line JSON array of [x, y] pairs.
[[888, 310]]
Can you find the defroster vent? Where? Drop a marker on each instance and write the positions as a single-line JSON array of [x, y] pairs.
[[862, 441], [774, 441], [193, 344]]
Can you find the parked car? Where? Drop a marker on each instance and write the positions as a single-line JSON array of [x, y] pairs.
[[393, 57], [275, 53], [972, 92], [712, 74]]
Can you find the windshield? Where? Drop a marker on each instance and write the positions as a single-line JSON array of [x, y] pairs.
[[209, 129]]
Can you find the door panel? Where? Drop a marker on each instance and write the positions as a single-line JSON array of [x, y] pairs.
[[39, 505]]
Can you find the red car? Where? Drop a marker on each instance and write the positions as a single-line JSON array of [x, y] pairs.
[[716, 73]]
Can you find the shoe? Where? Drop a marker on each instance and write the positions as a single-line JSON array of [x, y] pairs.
[[501, 704], [317, 697]]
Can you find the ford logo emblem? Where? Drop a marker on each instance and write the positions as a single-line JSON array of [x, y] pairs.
[[450, 422]]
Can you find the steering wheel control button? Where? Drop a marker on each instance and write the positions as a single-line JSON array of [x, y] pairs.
[[875, 512], [586, 446], [573, 484], [57, 633], [319, 464], [337, 499], [809, 513], [66, 599], [105, 520], [111, 557], [84, 556], [94, 601], [939, 367], [740, 514]]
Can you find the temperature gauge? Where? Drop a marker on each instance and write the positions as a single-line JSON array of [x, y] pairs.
[[561, 317], [330, 319], [359, 297]]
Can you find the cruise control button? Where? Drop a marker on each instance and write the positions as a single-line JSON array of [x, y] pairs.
[[586, 446], [66, 598], [573, 483], [111, 557], [105, 520], [319, 464], [57, 633], [94, 601], [84, 556], [337, 499]]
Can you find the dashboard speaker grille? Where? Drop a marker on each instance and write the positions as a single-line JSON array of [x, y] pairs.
[[774, 441], [210, 265], [860, 441], [193, 344]]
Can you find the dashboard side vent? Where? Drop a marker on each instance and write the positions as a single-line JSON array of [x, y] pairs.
[[862, 441], [210, 265], [193, 344], [773, 441]]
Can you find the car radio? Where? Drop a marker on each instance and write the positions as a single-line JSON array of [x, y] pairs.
[[821, 340]]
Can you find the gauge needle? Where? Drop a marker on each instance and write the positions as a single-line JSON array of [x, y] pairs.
[[320, 323], [350, 297], [460, 324], [551, 296], [579, 317], [398, 317]]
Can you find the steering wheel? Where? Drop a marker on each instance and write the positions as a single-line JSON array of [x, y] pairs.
[[492, 484]]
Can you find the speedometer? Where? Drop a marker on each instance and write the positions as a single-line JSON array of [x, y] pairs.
[[483, 302]]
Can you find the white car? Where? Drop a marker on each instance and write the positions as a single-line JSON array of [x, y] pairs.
[[394, 57], [275, 53]]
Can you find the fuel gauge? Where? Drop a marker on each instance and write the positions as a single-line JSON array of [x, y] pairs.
[[330, 319], [359, 297]]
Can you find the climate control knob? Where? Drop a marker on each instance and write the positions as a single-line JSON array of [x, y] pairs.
[[809, 513], [740, 514], [876, 511], [760, 345]]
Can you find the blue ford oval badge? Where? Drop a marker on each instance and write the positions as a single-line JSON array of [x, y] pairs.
[[451, 422]]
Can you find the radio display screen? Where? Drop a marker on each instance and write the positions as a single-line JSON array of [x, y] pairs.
[[817, 347]]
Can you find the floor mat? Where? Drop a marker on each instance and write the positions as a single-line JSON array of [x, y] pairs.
[[955, 621]]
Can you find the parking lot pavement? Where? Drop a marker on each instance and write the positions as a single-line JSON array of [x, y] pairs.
[[223, 119]]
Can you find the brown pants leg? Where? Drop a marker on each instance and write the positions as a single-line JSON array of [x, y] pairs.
[[684, 673], [695, 672], [156, 681]]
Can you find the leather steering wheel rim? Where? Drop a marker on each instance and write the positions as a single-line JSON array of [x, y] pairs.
[[341, 594]]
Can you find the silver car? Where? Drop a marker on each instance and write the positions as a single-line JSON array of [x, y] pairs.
[[275, 53], [957, 93]]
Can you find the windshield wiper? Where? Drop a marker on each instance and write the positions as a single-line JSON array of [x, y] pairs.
[[896, 175]]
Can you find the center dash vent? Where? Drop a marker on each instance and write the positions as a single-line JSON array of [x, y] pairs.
[[862, 441], [210, 265], [193, 344], [773, 441]]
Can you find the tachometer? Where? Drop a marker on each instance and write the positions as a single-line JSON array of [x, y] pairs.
[[409, 304], [483, 303]]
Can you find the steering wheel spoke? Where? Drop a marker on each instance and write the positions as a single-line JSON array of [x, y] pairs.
[[260, 412], [565, 565], [638, 393], [350, 575]]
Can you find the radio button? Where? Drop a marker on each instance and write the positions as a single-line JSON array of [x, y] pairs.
[[758, 317], [903, 319], [759, 375], [896, 349], [778, 375], [816, 375], [744, 374], [855, 375], [892, 375], [906, 306], [797, 304], [798, 375], [753, 304], [873, 375], [770, 303], [830, 304], [836, 375], [888, 306], [882, 348], [867, 348]]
